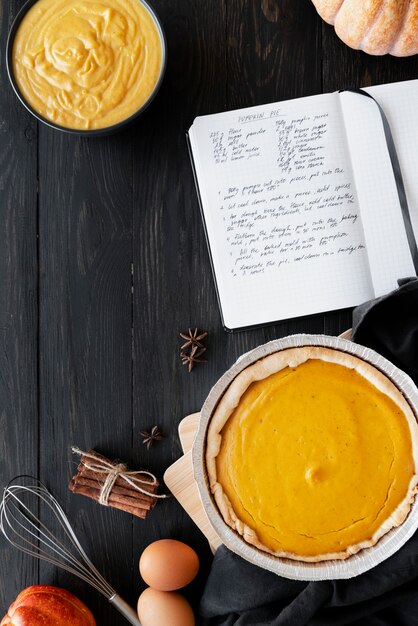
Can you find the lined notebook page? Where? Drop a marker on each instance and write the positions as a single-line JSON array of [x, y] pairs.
[[281, 211], [387, 245]]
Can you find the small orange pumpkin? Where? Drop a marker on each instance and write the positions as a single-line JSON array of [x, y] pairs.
[[42, 605], [375, 26]]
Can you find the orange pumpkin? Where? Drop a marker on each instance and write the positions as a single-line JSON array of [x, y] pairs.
[[43, 604], [375, 26]]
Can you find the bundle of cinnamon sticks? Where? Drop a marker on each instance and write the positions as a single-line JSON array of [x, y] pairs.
[[126, 490]]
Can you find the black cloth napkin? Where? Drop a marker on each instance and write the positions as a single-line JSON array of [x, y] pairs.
[[389, 325], [238, 593]]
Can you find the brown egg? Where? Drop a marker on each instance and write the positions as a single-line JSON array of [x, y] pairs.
[[168, 564], [164, 608]]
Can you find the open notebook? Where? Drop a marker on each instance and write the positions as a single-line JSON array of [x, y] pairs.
[[300, 203]]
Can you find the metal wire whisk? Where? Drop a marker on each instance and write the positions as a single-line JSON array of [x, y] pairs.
[[23, 529]]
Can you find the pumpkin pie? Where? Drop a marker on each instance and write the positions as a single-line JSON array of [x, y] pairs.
[[312, 454]]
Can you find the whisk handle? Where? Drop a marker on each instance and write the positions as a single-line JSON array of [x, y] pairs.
[[126, 610]]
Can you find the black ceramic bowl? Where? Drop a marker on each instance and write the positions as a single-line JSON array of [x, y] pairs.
[[99, 132]]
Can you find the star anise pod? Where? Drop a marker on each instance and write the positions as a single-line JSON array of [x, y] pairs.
[[192, 357], [194, 338], [148, 438]]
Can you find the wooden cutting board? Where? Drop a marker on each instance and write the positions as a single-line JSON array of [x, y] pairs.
[[180, 480]]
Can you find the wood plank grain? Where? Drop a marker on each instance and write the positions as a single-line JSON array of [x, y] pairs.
[[274, 51], [173, 288], [85, 241], [18, 307]]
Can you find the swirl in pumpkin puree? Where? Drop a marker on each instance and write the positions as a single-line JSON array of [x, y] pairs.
[[315, 458], [83, 64]]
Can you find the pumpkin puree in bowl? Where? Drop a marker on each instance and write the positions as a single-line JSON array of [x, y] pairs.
[[85, 64], [315, 458]]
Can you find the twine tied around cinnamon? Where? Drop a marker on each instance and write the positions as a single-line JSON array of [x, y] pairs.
[[112, 471]]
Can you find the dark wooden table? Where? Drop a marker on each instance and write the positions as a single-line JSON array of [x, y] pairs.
[[103, 260]]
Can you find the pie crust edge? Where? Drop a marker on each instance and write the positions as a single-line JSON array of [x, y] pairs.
[[266, 366]]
